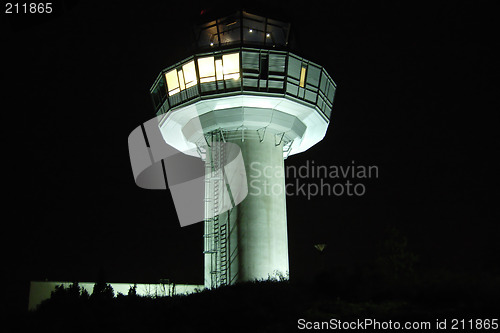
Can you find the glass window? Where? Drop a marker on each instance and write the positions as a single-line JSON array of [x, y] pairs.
[[172, 82], [207, 69], [189, 74], [302, 81], [155, 94], [208, 36], [229, 29], [294, 66], [277, 32], [182, 85], [218, 69], [277, 63], [231, 65], [253, 30], [264, 66], [313, 74]]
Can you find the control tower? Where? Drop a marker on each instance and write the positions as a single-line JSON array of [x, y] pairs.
[[244, 88]]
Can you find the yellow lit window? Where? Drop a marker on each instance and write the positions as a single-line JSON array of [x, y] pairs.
[[231, 66], [189, 74], [218, 70], [172, 82], [302, 81], [181, 80], [207, 69]]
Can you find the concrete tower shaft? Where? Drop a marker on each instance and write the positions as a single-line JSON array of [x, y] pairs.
[[260, 223], [255, 230]]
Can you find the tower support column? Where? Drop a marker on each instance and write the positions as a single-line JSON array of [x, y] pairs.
[[257, 237], [259, 224]]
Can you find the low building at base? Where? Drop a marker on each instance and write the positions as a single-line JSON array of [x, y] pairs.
[[41, 290]]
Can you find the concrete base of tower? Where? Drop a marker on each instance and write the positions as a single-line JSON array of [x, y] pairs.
[[257, 233]]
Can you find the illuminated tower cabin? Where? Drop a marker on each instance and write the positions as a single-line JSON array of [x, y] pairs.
[[245, 87]]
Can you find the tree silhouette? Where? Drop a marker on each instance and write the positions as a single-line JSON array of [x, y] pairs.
[[395, 260], [102, 290], [132, 292]]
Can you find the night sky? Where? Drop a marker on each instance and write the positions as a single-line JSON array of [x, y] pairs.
[[416, 97]]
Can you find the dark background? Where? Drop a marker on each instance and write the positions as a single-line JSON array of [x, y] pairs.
[[416, 97]]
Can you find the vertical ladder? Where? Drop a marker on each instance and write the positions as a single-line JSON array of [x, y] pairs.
[[216, 177], [223, 248], [215, 228]]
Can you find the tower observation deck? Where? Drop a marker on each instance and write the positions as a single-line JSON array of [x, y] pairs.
[[244, 88]]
